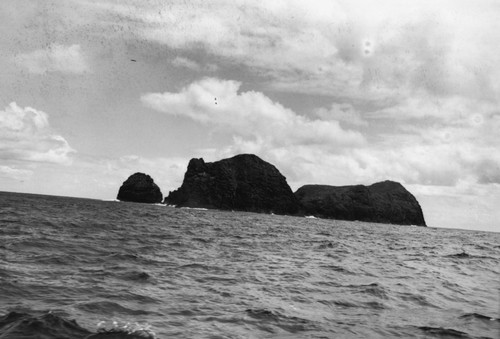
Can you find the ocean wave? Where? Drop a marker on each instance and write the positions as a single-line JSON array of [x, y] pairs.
[[123, 256], [374, 305], [337, 268], [290, 324], [196, 266], [478, 316], [109, 307], [365, 305], [417, 299], [341, 303], [373, 289], [23, 325], [194, 208], [58, 259], [139, 276], [203, 240], [241, 275], [465, 255], [326, 245], [462, 254], [16, 325], [441, 332]]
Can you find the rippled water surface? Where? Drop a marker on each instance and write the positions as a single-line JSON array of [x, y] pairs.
[[185, 273]]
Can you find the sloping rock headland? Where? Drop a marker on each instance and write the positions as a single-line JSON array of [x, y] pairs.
[[382, 202], [140, 187], [244, 182]]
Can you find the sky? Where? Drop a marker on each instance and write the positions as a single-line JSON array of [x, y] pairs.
[[330, 92]]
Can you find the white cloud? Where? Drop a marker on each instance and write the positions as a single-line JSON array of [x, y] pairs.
[[443, 140], [344, 112], [102, 177], [250, 115], [445, 167], [442, 151], [54, 58], [453, 114], [412, 159], [15, 173], [468, 205], [182, 62], [281, 39], [336, 48], [186, 63], [91, 177], [167, 172], [25, 134]]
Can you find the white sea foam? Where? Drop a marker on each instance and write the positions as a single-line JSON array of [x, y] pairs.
[[139, 329]]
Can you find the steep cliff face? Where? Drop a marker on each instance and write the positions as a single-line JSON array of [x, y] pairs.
[[244, 182], [384, 202], [140, 187]]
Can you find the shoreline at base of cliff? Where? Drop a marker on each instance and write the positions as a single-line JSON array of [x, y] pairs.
[[245, 182]]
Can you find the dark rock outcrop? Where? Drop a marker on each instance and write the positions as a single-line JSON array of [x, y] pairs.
[[140, 187], [244, 182], [384, 202]]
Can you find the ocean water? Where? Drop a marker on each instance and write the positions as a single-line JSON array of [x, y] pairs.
[[159, 271]]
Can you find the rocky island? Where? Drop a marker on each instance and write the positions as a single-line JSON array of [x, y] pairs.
[[244, 183], [140, 187], [383, 202]]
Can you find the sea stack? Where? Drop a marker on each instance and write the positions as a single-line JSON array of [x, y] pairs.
[[383, 202], [244, 183], [140, 187]]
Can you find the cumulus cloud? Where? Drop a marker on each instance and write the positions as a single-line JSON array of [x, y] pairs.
[[417, 141], [182, 62], [282, 39], [186, 63], [25, 134], [54, 58], [101, 177], [442, 141], [413, 163], [426, 54], [91, 177], [250, 115], [431, 155], [15, 173], [343, 112], [423, 106], [333, 47]]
